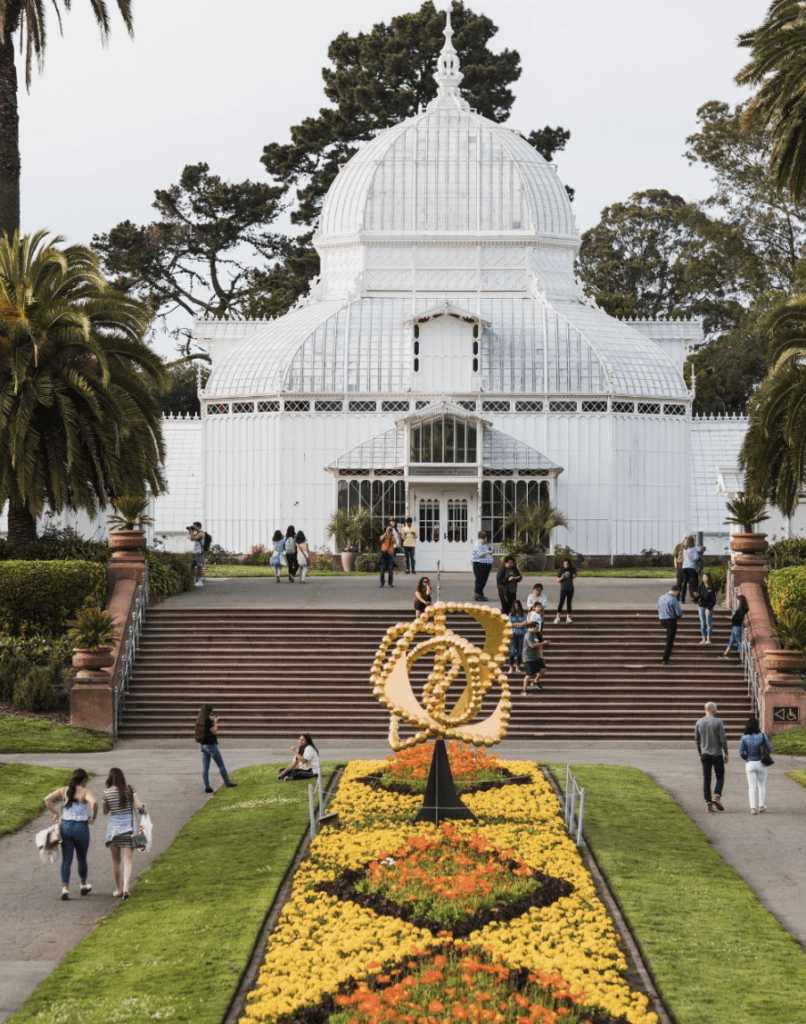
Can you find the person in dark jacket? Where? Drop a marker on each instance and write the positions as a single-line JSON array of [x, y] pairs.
[[736, 628], [565, 577], [206, 735], [507, 579], [705, 598]]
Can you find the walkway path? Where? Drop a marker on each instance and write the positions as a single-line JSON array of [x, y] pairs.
[[767, 851]]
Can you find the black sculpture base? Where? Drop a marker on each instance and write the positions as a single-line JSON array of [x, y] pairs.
[[441, 799]]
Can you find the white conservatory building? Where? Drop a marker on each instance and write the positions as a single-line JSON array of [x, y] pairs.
[[446, 364]]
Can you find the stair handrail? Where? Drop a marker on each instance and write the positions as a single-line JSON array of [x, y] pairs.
[[747, 655], [130, 648], [572, 790]]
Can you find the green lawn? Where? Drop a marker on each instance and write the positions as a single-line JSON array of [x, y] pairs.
[[176, 950], [791, 742], [34, 735], [22, 789], [716, 953], [798, 776]]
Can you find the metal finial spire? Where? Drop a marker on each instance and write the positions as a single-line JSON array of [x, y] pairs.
[[448, 76]]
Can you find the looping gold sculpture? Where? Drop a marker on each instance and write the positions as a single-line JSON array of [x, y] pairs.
[[452, 654]]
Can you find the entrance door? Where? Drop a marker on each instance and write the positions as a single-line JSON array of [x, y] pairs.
[[444, 518]]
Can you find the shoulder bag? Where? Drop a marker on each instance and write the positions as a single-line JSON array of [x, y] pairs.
[[138, 836], [766, 753]]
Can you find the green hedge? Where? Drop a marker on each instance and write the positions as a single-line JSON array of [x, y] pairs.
[[786, 552], [42, 597], [787, 588], [67, 547], [169, 573]]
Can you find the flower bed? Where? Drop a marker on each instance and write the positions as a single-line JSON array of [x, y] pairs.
[[362, 940]]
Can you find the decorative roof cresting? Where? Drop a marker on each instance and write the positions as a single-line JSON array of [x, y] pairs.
[[448, 76]]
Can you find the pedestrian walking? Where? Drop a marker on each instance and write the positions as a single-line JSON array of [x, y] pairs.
[[122, 833], [197, 536], [692, 563], [422, 596], [677, 557], [290, 552], [206, 735], [517, 620], [706, 602], [755, 745], [736, 622], [79, 810], [534, 665], [712, 746], [303, 555], [277, 560], [482, 562], [669, 611], [386, 561], [304, 763], [409, 536], [566, 577], [507, 580]]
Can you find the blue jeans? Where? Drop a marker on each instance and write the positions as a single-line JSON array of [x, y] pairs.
[[387, 565], [209, 750], [706, 622], [735, 638], [409, 553], [516, 649], [75, 838]]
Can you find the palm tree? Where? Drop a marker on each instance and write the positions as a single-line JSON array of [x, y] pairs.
[[26, 19], [778, 69], [79, 418], [774, 449], [534, 524]]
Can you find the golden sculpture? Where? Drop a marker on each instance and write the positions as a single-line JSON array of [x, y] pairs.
[[431, 719]]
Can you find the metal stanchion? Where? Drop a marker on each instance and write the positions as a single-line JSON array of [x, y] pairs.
[[311, 810]]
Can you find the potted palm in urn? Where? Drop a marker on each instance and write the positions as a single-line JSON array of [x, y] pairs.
[[126, 536], [790, 632], [93, 632], [534, 525], [747, 511], [346, 532]]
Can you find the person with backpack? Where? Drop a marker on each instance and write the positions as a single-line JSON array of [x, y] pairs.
[[290, 552], [692, 563], [201, 545]]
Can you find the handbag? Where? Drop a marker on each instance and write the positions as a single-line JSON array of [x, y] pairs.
[[138, 831], [766, 754]]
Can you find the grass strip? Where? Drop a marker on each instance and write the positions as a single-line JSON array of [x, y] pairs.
[[715, 952], [791, 742], [20, 735], [798, 776], [22, 787], [176, 950]]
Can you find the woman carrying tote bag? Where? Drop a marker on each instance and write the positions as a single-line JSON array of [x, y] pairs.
[[754, 750], [123, 832]]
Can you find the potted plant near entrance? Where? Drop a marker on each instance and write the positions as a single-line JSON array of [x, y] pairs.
[[790, 632], [93, 632], [534, 525], [126, 535], [342, 528], [747, 511]]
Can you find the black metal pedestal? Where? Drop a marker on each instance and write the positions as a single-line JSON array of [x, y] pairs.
[[441, 799]]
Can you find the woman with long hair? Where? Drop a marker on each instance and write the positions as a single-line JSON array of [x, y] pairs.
[[305, 762], [705, 599], [120, 801], [736, 628], [303, 555], [422, 596], [517, 620], [565, 577], [206, 735], [276, 561], [754, 744], [290, 551], [79, 811]]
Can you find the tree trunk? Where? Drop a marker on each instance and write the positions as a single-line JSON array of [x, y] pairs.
[[21, 524], [9, 129]]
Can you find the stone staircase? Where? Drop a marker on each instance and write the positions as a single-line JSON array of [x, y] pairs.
[[271, 673]]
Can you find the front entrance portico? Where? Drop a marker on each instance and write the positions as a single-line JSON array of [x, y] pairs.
[[447, 518]]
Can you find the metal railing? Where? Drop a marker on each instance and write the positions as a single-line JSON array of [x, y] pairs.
[[130, 648], [572, 791], [747, 655]]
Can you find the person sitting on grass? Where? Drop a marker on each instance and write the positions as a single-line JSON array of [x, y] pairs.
[[305, 762]]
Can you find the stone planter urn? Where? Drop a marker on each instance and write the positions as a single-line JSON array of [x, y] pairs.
[[348, 559], [784, 660], [749, 543], [127, 545], [87, 660]]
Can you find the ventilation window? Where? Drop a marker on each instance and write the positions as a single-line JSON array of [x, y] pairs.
[[362, 406], [394, 406], [475, 348], [217, 408], [243, 406], [297, 406], [416, 348], [495, 406], [421, 404], [675, 410], [599, 405], [475, 331], [623, 406], [268, 406], [563, 405], [416, 330], [529, 406], [467, 404], [649, 408], [416, 365], [330, 405], [475, 366]]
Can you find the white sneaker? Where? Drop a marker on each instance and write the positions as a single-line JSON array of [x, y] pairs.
[[568, 618], [703, 641], [198, 583], [557, 620]]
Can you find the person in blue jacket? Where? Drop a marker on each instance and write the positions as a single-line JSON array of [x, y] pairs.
[[754, 744]]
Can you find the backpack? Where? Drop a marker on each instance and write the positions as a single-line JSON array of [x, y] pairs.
[[290, 546], [208, 540]]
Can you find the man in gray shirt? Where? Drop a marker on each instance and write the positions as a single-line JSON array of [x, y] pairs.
[[709, 735]]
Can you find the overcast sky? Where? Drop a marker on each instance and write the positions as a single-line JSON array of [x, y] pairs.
[[103, 128]]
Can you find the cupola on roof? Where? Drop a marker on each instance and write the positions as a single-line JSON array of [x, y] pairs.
[[445, 171]]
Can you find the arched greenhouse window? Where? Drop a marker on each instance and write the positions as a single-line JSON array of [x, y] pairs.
[[443, 440]]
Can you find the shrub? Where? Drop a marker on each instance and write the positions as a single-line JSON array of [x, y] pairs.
[[787, 588], [364, 563], [218, 556], [719, 576], [255, 553], [41, 597], [39, 650], [58, 546], [574, 557], [34, 689], [324, 563], [169, 573], [786, 552]]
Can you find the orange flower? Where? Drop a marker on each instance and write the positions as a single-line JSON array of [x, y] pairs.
[[431, 976], [435, 1006]]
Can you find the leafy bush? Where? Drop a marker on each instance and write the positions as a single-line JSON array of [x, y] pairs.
[[324, 563], [256, 554], [41, 597], [58, 546], [719, 576], [364, 563], [786, 552], [787, 589], [574, 557], [39, 650], [218, 556], [36, 689], [169, 573]]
